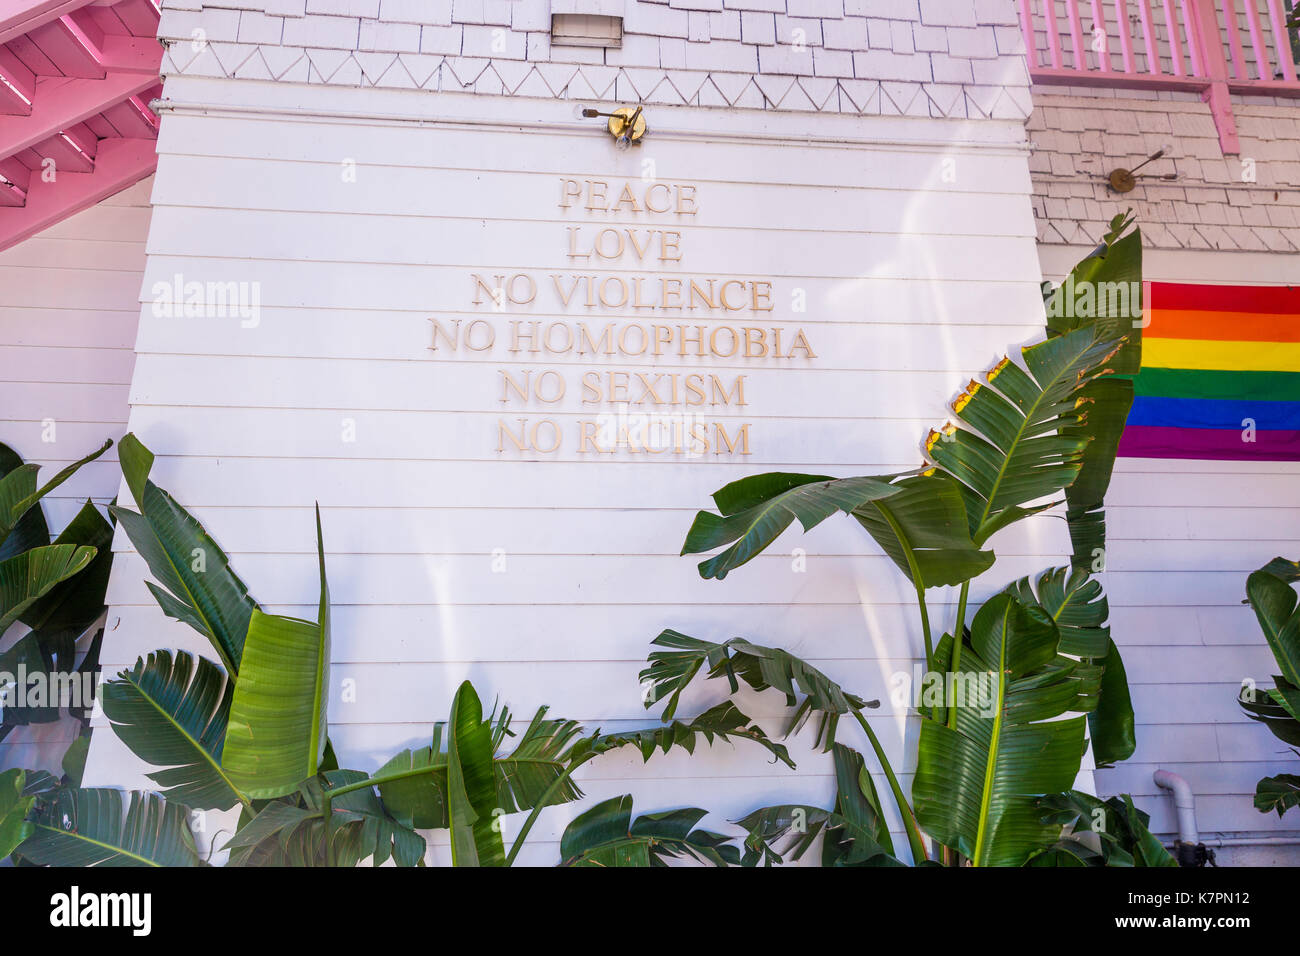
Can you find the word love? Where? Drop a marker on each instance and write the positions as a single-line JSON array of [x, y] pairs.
[[612, 244]]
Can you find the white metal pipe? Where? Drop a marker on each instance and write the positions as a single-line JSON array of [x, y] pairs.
[[1184, 801]]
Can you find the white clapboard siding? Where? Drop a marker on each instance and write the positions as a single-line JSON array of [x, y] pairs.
[[69, 306], [905, 279]]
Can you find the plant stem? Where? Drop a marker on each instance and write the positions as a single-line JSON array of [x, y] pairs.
[[541, 804], [958, 638], [914, 838]]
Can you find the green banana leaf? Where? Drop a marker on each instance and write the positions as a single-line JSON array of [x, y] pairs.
[[1274, 601], [670, 671], [279, 834], [1117, 261], [26, 657], [1272, 707], [722, 722], [76, 603], [1076, 603], [418, 799], [14, 807], [276, 734], [416, 791], [93, 827], [923, 529], [292, 832], [855, 830], [975, 787], [26, 578], [1020, 412], [754, 511], [198, 586], [1110, 832], [30, 531], [171, 712], [471, 784], [606, 835], [1279, 793], [19, 494], [73, 763]]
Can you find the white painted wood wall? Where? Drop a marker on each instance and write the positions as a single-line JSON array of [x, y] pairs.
[[913, 284]]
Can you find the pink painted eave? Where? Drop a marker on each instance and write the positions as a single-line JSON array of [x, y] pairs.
[[121, 163], [62, 102], [22, 16]]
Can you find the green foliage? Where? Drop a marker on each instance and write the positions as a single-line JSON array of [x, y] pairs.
[[753, 512], [855, 830], [975, 783], [671, 671], [276, 733], [14, 807], [294, 831], [171, 711], [606, 835], [198, 586], [1075, 601], [95, 827], [1101, 833], [1279, 793], [55, 587], [1269, 591], [1117, 262]]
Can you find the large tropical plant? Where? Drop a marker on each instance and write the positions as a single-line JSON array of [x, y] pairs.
[[1028, 431], [249, 731], [1269, 591]]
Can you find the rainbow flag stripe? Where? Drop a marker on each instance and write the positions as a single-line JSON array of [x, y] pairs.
[[1214, 357]]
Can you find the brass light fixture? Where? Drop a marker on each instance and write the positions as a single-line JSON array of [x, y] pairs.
[[1123, 180], [626, 124]]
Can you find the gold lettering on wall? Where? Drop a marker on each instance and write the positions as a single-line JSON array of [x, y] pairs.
[[626, 249]]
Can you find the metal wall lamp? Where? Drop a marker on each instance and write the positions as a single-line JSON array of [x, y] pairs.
[[626, 124]]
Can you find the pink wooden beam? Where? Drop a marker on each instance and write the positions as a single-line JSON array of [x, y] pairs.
[[17, 84], [15, 172], [1100, 32], [1076, 34], [126, 54], [1257, 42], [121, 163], [1136, 81], [20, 16], [1203, 33], [62, 102], [1234, 40], [1195, 38], [1053, 34], [64, 45], [1149, 37], [1281, 40], [1125, 36], [1027, 31], [67, 156], [1175, 41]]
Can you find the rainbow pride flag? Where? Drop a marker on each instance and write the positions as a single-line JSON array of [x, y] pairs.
[[1216, 358]]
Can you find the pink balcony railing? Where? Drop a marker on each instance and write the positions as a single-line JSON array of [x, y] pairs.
[[1214, 47]]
